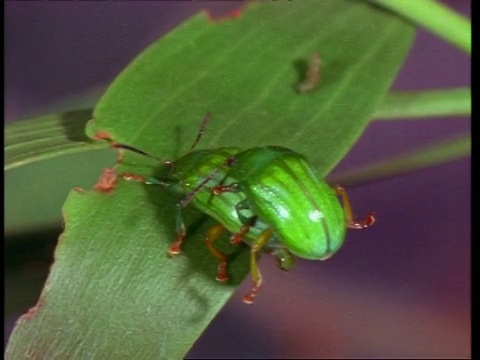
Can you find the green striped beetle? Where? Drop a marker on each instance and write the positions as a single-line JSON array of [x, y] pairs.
[[268, 197], [197, 173], [301, 210]]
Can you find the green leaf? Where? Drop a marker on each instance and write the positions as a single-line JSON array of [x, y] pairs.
[[44, 159], [245, 72], [436, 154], [438, 18], [46, 137], [124, 287], [421, 104], [112, 289]]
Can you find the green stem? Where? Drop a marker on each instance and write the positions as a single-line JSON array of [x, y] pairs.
[[421, 104], [437, 18], [432, 155]]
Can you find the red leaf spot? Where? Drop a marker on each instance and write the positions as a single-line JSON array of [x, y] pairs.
[[107, 181], [102, 135], [79, 190], [234, 14]]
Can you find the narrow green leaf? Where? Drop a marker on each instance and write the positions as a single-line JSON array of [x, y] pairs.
[[46, 137], [35, 193], [437, 18], [44, 158], [422, 104], [137, 295], [432, 155], [112, 290]]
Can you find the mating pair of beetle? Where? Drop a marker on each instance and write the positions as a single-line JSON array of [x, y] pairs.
[[269, 197]]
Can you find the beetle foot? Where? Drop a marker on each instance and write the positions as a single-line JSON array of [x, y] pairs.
[[133, 177], [175, 247], [236, 239], [370, 220], [173, 250], [220, 189], [222, 272], [365, 223], [248, 299]]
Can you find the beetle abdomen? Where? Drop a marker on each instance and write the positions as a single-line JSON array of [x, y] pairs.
[[301, 208]]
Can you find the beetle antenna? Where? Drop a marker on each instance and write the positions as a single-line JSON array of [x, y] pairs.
[[138, 151], [205, 121]]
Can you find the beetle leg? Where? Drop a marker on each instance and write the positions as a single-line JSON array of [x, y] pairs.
[[243, 205], [351, 223], [191, 195], [145, 180], [181, 232], [214, 234], [220, 189], [180, 226], [257, 245], [247, 222], [237, 237]]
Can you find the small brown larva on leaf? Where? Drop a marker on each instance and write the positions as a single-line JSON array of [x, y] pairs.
[[312, 75]]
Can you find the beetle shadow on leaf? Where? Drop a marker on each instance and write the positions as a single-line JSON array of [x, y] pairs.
[[194, 246], [177, 142], [74, 123], [201, 302], [202, 260], [300, 66]]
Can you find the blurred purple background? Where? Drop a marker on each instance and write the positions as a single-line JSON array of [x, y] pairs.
[[401, 288]]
